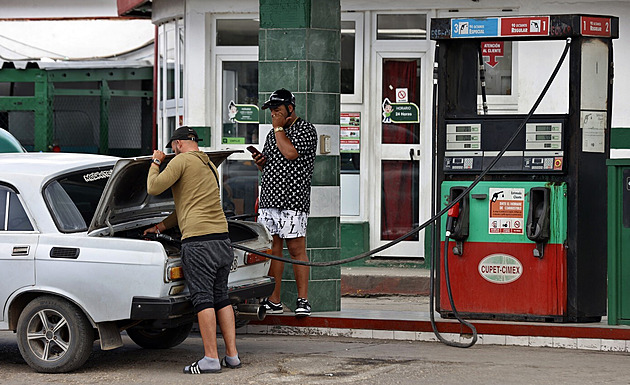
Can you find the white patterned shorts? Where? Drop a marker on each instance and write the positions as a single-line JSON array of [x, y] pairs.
[[284, 223]]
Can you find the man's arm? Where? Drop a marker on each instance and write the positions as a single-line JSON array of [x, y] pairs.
[[278, 121], [158, 182], [285, 146]]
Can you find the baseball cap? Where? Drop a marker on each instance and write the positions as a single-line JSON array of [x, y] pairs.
[[184, 133], [278, 98]]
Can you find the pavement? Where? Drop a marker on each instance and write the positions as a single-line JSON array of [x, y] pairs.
[[373, 308], [323, 360]]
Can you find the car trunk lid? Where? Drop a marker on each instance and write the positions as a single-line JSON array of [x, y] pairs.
[[125, 196]]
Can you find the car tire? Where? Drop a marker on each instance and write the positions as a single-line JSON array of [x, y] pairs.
[[54, 336], [159, 338]]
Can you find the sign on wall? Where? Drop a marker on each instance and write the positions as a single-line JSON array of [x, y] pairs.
[[350, 135]]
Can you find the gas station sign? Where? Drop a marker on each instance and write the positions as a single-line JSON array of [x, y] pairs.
[[525, 26], [595, 26], [493, 50], [400, 112], [500, 26], [243, 113]]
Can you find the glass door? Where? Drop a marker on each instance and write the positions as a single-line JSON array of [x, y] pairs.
[[399, 156], [237, 107]]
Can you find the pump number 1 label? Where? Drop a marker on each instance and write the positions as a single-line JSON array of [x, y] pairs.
[[506, 210]]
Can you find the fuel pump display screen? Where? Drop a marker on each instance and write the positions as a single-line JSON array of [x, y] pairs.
[[472, 145]]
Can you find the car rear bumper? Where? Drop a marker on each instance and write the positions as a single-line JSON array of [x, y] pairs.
[[240, 291], [149, 308]]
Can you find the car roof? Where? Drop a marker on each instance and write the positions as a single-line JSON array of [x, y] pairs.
[[43, 164], [8, 142]]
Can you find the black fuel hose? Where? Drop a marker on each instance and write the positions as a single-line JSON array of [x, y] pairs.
[[439, 213]]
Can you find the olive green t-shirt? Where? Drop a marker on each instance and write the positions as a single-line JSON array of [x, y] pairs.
[[198, 209]]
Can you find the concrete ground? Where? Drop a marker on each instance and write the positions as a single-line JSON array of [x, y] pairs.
[[313, 360]]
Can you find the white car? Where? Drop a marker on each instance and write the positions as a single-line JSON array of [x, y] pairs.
[[76, 267]]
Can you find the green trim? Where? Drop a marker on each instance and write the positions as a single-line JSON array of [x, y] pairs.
[[94, 75], [620, 137]]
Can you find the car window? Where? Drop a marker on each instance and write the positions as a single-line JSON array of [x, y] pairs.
[[73, 198], [16, 220]]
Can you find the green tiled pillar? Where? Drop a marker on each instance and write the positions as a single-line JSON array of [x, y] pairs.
[[299, 49]]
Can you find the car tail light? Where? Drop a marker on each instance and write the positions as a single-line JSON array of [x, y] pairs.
[[251, 258], [175, 273]]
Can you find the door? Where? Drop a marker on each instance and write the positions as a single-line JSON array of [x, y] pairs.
[[18, 243], [399, 156], [237, 120]]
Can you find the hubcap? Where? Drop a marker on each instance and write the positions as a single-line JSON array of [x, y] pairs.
[[48, 335]]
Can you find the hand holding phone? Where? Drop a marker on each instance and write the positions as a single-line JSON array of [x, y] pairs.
[[253, 150]]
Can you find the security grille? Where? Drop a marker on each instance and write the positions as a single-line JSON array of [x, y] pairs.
[[20, 124]]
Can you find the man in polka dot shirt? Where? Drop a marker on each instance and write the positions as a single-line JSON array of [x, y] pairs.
[[286, 163]]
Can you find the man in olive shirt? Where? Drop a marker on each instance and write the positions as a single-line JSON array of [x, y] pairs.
[[206, 248]]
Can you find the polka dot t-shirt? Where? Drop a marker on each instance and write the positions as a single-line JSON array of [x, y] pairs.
[[286, 184]]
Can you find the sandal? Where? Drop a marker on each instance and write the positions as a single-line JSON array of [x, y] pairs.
[[195, 369], [228, 365]]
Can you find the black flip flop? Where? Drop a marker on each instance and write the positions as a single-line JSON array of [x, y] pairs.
[[195, 369], [228, 365]]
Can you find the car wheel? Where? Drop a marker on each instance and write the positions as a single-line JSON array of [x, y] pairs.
[[159, 338], [54, 336]]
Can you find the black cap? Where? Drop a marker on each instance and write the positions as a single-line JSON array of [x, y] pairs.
[[278, 98], [184, 133]]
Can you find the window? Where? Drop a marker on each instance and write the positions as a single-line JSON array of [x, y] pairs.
[[351, 57], [348, 43], [401, 27], [16, 220], [240, 187], [240, 102], [72, 199], [497, 59], [237, 32], [170, 63]]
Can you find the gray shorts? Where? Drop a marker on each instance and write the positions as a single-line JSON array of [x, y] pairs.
[[206, 269]]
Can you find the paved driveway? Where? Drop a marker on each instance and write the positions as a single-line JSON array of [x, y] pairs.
[[329, 360]]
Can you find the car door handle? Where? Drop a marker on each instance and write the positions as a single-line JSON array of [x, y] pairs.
[[20, 250]]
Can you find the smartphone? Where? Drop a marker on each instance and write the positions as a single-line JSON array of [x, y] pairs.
[[253, 150]]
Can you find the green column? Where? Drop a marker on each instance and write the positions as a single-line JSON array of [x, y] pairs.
[[300, 50]]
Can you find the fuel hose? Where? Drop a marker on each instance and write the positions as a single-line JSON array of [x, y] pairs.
[[437, 215]]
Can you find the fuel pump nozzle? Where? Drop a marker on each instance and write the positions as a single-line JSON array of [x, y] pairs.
[[451, 220]]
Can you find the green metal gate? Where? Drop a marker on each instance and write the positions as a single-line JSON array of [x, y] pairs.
[[105, 111]]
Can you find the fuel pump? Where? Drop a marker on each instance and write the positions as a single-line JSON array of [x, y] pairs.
[[530, 239]]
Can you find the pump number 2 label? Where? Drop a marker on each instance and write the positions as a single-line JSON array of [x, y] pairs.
[[506, 210]]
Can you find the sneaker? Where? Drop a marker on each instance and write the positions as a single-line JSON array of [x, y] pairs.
[[272, 308], [303, 308]]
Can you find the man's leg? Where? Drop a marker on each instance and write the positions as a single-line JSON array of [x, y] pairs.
[[297, 249], [225, 316], [276, 269], [208, 328]]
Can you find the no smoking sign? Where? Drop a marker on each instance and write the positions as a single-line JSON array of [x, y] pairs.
[[402, 95]]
